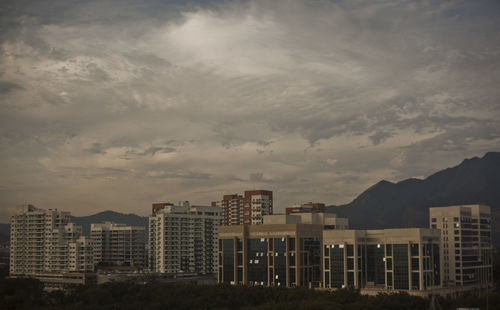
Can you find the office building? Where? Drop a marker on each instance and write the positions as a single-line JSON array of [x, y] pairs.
[[284, 251], [118, 244], [381, 260], [247, 209], [45, 241], [467, 247], [183, 239]]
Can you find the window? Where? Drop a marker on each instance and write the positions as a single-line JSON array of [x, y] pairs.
[[350, 250], [401, 266], [388, 262], [433, 220], [388, 250], [415, 264], [414, 249], [350, 264]]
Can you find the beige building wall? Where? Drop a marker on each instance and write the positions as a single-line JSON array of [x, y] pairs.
[[387, 259], [467, 246], [270, 254]]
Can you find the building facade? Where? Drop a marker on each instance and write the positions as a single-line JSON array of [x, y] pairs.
[[284, 251], [231, 209], [42, 241], [245, 209], [119, 244], [467, 247], [311, 207], [388, 259], [183, 239]]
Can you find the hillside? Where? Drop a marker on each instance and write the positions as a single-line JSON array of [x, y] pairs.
[[406, 203]]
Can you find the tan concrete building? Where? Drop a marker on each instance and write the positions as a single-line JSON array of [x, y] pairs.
[[387, 259], [467, 247], [284, 251]]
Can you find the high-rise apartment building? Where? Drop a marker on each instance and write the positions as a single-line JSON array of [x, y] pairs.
[[81, 258], [467, 247], [231, 209], [118, 244], [41, 242], [257, 204], [183, 238], [247, 209]]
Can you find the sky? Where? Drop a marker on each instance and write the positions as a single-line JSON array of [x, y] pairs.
[[114, 105]]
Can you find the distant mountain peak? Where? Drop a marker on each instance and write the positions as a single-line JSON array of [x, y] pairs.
[[492, 155], [406, 203]]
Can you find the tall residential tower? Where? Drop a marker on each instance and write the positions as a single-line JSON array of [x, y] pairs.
[[247, 209], [183, 239]]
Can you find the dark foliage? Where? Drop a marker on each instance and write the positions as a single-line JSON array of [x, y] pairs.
[[28, 294]]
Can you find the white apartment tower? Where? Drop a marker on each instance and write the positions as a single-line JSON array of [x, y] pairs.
[[118, 244], [81, 255], [467, 247], [40, 242], [183, 238]]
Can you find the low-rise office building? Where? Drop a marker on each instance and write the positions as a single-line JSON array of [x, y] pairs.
[[284, 251], [386, 259]]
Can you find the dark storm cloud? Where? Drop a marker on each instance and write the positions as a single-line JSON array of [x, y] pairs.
[[127, 102], [6, 87]]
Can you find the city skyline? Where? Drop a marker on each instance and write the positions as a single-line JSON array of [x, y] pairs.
[[114, 106]]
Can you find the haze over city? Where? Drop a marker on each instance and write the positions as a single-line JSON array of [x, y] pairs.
[[119, 104]]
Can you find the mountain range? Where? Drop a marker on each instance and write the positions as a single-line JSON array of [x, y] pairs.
[[109, 216], [387, 204], [406, 203]]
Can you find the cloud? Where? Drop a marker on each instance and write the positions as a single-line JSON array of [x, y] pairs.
[[121, 103]]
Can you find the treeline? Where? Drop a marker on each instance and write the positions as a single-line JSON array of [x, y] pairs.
[[29, 294]]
